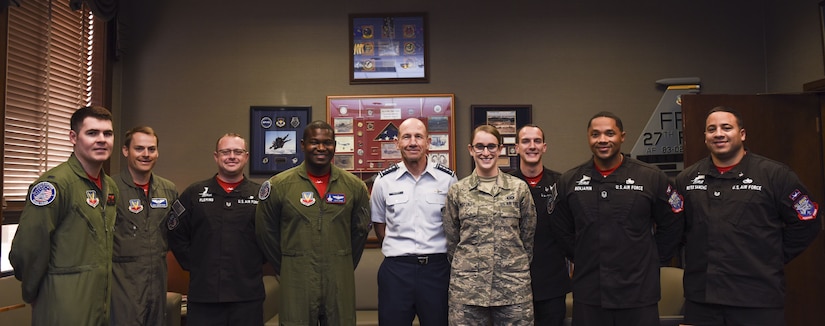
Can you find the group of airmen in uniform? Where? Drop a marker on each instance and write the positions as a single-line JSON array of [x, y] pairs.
[[489, 249]]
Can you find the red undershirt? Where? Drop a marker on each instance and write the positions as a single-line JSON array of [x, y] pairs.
[[608, 171], [228, 187], [534, 181], [145, 187], [724, 169], [95, 180], [320, 182]]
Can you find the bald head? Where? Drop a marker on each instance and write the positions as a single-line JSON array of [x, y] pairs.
[[413, 141]]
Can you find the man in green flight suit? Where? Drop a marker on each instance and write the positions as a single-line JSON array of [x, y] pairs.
[[140, 245], [62, 251], [312, 223]]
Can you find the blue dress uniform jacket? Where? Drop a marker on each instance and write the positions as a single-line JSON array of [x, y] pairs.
[[742, 227], [213, 237], [548, 270], [62, 251], [314, 241], [140, 246], [607, 223]]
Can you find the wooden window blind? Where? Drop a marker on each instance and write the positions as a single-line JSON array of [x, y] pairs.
[[51, 72]]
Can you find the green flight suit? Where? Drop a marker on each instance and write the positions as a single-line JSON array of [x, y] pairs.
[[62, 251], [314, 242], [140, 246]]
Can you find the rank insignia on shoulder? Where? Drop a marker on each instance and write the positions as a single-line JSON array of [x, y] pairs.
[[444, 169], [389, 170]]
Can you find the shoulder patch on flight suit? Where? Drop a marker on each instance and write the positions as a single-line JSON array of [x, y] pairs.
[[444, 169], [266, 188], [43, 194], [388, 170]]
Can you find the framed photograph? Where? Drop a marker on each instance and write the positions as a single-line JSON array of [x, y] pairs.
[[370, 123], [388, 48], [507, 119], [274, 140], [438, 142]]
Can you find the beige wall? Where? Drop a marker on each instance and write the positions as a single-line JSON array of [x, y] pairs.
[[192, 69]]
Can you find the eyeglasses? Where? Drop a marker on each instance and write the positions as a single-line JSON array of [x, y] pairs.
[[326, 143], [227, 152], [479, 148]]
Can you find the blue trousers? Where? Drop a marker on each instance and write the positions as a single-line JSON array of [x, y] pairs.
[[413, 285]]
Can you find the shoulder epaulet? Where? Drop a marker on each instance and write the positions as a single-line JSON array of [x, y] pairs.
[[388, 170], [444, 169]]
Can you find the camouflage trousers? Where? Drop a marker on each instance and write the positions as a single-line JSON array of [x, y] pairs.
[[520, 314]]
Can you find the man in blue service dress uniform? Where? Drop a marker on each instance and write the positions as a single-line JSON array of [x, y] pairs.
[[407, 200]]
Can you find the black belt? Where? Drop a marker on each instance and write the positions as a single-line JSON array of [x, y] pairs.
[[419, 259]]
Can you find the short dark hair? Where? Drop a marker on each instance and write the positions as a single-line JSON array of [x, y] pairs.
[[97, 112], [318, 124], [606, 114], [141, 129], [730, 110], [488, 129], [529, 125]]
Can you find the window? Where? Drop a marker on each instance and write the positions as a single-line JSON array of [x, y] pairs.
[[54, 65]]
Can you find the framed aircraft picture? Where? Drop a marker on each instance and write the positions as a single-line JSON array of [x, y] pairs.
[[275, 137]]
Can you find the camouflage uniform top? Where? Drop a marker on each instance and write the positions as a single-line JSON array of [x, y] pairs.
[[490, 241]]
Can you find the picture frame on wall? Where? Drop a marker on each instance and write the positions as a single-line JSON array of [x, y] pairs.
[[275, 137], [507, 119], [388, 48]]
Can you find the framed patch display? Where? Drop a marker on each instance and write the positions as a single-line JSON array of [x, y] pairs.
[[507, 119], [275, 137], [371, 123], [388, 48]]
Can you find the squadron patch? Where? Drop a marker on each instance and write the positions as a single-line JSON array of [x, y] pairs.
[[307, 198], [91, 198], [174, 216], [135, 206], [172, 222], [806, 209], [263, 193], [43, 194], [676, 201]]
